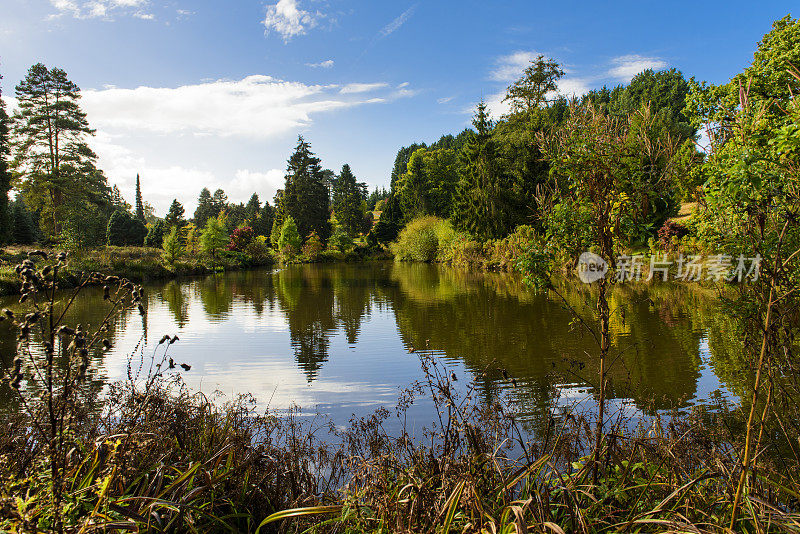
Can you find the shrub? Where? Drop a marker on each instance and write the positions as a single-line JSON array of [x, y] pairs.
[[257, 251], [171, 246], [340, 240], [313, 246], [418, 240], [289, 240], [125, 230], [383, 232], [671, 230], [155, 235], [241, 238]]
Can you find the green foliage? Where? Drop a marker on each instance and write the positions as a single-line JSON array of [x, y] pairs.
[[214, 236], [340, 240], [125, 230], [289, 241], [427, 186], [6, 218], [539, 79], [171, 246], [24, 226], [419, 240], [484, 205], [569, 230], [348, 202], [175, 214], [155, 234], [306, 196], [55, 166], [139, 202]]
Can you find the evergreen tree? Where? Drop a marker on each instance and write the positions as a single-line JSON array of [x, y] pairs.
[[262, 225], [139, 202], [305, 195], [117, 200], [205, 208], [22, 223], [125, 230], [214, 236], [348, 200], [175, 214], [219, 202], [253, 207], [155, 234], [5, 174], [56, 167], [484, 205], [279, 215]]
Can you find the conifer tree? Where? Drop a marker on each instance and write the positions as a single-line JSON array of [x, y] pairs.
[[56, 167], [175, 214], [139, 202], [306, 198], [205, 208], [5, 174], [484, 205], [347, 202]]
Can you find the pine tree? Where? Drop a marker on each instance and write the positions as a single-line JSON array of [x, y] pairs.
[[253, 207], [56, 167], [22, 223], [305, 195], [205, 208], [347, 202], [219, 202], [5, 175], [484, 205], [139, 202], [175, 214]]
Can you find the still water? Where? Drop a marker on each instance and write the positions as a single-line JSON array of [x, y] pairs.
[[345, 339]]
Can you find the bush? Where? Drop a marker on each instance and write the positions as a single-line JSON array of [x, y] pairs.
[[257, 251], [155, 235], [340, 240], [383, 232], [241, 238], [669, 231], [418, 241], [312, 247], [172, 246], [125, 230], [289, 240]]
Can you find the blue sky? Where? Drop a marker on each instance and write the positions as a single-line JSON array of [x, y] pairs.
[[214, 93]]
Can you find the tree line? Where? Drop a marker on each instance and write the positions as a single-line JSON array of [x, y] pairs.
[[62, 197]]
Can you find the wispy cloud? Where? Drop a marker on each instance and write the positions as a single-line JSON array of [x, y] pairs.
[[399, 21], [287, 19], [626, 67], [328, 63], [106, 9], [355, 88], [444, 100]]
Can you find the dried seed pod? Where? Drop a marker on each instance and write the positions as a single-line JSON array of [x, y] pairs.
[[163, 339], [106, 344], [46, 270], [8, 313], [186, 366], [23, 298], [24, 331], [174, 339], [141, 309], [106, 294], [64, 329]]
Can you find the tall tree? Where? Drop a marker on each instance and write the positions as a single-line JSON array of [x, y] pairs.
[[5, 174], [219, 201], [175, 214], [348, 202], [531, 90], [484, 205], [253, 207], [54, 163], [305, 195], [205, 208], [139, 202]]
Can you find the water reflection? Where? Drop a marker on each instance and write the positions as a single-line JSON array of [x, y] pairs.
[[342, 338]]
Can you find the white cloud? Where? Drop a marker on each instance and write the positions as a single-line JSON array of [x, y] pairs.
[[399, 21], [444, 100], [509, 67], [628, 66], [255, 107], [87, 9], [289, 20], [354, 88], [328, 63]]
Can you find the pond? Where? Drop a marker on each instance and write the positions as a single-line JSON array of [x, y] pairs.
[[345, 339]]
